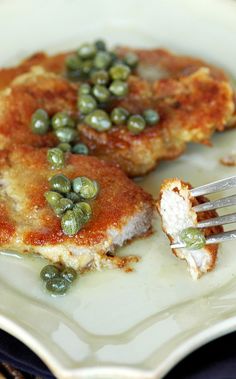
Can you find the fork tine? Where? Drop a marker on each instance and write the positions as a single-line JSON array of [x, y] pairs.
[[219, 185], [216, 238], [226, 219], [216, 204]]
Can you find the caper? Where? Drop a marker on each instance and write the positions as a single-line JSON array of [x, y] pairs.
[[69, 274], [114, 58], [100, 77], [86, 104], [79, 215], [62, 120], [119, 72], [49, 272], [56, 158], [99, 120], [52, 197], [84, 89], [101, 93], [89, 189], [80, 148], [100, 45], [77, 184], [102, 60], [69, 223], [87, 50], [74, 197], [119, 88], [86, 187], [86, 68], [151, 116], [62, 206], [74, 75], [193, 238], [131, 59], [119, 115], [65, 147], [40, 122], [66, 135], [60, 183], [136, 124], [57, 285], [73, 62], [83, 210]]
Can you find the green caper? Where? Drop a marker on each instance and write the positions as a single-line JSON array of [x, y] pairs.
[[99, 120], [40, 122], [77, 184], [136, 124], [62, 206], [114, 57], [87, 50], [65, 147], [119, 115], [56, 158], [83, 210], [101, 93], [69, 223], [193, 238], [100, 77], [88, 189], [73, 62], [119, 71], [79, 215], [57, 285], [66, 135], [49, 272], [80, 148], [74, 197], [102, 60], [96, 188], [86, 104], [60, 183], [62, 120], [84, 89], [69, 274], [52, 197], [86, 68], [100, 45], [74, 75], [119, 88], [151, 116], [131, 59]]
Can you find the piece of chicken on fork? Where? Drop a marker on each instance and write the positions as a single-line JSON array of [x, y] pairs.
[[176, 207]]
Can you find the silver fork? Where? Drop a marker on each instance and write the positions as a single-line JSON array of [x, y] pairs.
[[219, 185]]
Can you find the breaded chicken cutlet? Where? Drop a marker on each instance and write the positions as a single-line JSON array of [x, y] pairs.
[[191, 108], [121, 211], [175, 206]]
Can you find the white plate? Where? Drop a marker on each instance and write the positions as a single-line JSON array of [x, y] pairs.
[[112, 324]]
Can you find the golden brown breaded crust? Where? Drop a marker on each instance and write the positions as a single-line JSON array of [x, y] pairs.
[[28, 92], [27, 218], [211, 249], [54, 63]]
